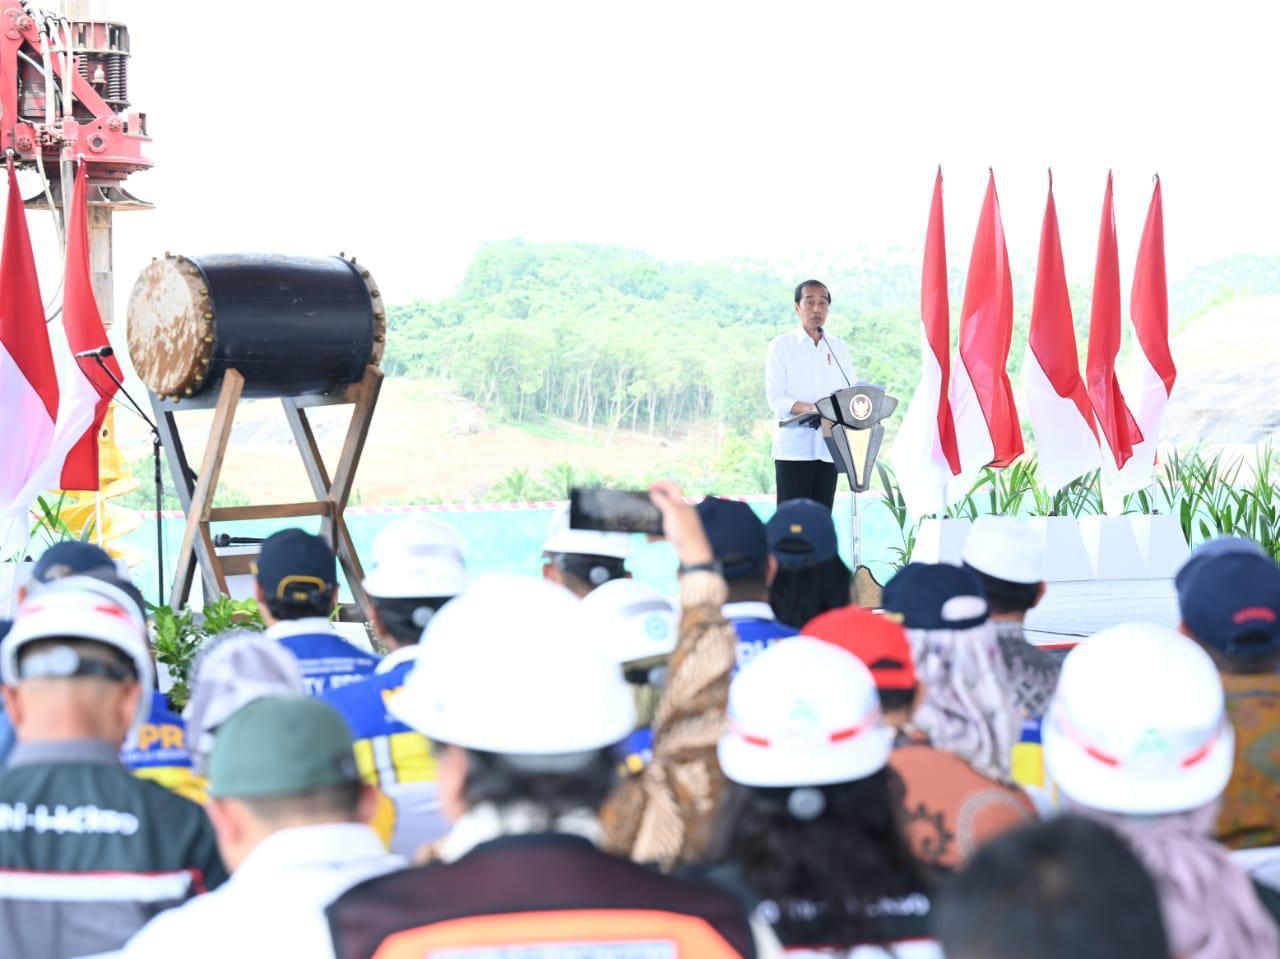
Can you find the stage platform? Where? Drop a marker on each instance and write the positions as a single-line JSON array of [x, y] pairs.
[[1071, 611]]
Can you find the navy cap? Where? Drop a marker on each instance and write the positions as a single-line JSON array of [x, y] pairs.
[[936, 596], [293, 565], [737, 537], [801, 533], [1229, 596], [73, 558], [1211, 548]]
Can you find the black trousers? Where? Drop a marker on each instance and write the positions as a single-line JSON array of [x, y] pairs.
[[808, 479]]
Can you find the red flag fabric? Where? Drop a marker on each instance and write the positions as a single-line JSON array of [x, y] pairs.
[[935, 313], [1061, 416], [926, 453], [986, 331], [84, 328], [1153, 369], [1149, 300], [1119, 428], [28, 380]]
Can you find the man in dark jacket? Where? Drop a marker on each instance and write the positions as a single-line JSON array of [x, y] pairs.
[[88, 852]]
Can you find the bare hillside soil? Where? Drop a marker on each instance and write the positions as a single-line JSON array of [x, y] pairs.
[[425, 443]]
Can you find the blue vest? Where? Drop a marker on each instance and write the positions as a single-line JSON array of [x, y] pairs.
[[161, 740], [755, 635], [328, 661], [387, 751]]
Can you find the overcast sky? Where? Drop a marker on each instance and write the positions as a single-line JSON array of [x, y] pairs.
[[409, 132]]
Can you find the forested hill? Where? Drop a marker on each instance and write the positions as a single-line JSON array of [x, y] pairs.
[[607, 337], [611, 337]]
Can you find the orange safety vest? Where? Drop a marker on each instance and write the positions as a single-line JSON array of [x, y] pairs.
[[567, 934]]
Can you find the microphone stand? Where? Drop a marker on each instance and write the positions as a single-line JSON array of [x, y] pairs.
[[159, 475]]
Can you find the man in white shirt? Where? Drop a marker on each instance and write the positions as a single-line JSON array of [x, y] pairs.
[[802, 367], [289, 810]]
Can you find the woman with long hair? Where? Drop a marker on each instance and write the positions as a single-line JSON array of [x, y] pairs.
[[810, 835], [811, 577]]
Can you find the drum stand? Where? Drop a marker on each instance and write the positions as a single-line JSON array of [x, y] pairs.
[[196, 496]]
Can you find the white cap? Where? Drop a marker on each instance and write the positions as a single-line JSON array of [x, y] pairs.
[[232, 670], [509, 667], [631, 620], [416, 557], [803, 713], [67, 612], [1138, 724], [561, 538], [1007, 548]]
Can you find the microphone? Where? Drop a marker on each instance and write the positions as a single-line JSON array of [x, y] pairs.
[[103, 351], [822, 335]]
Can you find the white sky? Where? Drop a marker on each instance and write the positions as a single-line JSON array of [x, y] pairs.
[[409, 132]]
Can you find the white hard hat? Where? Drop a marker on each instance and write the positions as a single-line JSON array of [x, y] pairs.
[[1138, 724], [509, 667], [416, 557], [561, 538], [803, 713], [1007, 548], [631, 620], [72, 613]]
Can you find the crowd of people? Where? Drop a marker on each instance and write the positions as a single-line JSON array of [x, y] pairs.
[[576, 765]]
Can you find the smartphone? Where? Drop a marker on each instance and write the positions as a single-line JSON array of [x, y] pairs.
[[613, 511]]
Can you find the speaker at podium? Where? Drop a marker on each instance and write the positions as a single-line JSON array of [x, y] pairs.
[[852, 424]]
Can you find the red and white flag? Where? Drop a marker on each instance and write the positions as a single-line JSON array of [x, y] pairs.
[[987, 429], [46, 404], [1061, 416], [1120, 431], [925, 454], [1153, 371], [85, 332], [28, 382]]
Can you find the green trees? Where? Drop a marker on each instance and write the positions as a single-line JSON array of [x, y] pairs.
[[613, 338], [604, 337]]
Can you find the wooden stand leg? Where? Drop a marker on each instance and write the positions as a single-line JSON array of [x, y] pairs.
[[337, 491], [196, 537]]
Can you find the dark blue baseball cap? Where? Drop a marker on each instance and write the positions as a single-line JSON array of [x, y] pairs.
[[1211, 549], [1231, 601], [737, 537], [801, 533], [936, 596], [294, 565], [73, 558]]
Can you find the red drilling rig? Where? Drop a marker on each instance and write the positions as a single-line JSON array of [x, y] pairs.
[[64, 96]]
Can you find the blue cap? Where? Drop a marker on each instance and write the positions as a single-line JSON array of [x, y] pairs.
[[1212, 548], [737, 537], [293, 565], [801, 533], [936, 596], [73, 558], [1229, 596]]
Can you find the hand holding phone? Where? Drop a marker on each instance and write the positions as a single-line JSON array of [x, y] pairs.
[[614, 511]]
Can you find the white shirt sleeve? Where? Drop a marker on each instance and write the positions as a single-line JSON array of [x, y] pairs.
[[775, 383]]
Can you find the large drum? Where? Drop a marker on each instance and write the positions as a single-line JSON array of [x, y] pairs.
[[291, 325]]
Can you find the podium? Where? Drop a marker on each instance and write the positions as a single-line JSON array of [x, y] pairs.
[[851, 421]]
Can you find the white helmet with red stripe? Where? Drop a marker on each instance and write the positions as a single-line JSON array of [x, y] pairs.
[[803, 713], [70, 610], [1138, 724]]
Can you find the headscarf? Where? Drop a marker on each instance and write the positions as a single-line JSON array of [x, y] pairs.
[[1210, 908], [969, 707], [231, 671]]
